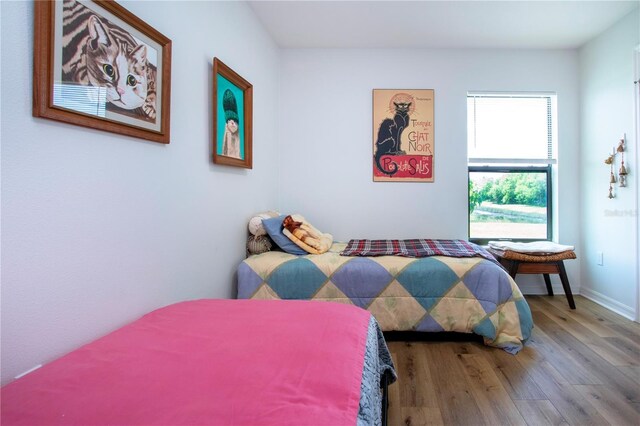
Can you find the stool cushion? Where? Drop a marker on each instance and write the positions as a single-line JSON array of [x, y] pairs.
[[533, 247], [514, 255]]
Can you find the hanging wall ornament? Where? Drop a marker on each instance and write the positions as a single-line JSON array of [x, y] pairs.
[[612, 179], [623, 173]]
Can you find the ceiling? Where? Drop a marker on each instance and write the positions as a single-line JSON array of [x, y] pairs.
[[438, 24]]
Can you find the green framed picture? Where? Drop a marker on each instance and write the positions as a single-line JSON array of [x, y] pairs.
[[232, 117]]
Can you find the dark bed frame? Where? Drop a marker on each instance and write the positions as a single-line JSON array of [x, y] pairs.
[[384, 384], [428, 336]]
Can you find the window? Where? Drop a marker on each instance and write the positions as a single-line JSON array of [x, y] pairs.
[[510, 141]]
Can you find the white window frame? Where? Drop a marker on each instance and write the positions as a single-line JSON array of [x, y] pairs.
[[514, 165]]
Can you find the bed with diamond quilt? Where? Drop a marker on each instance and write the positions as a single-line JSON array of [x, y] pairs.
[[428, 294]]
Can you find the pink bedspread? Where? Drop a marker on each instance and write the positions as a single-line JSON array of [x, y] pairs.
[[221, 362]]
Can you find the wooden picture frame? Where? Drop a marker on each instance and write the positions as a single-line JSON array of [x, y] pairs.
[[80, 64], [232, 117]]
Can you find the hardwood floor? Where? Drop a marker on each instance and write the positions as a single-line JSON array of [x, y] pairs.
[[580, 367]]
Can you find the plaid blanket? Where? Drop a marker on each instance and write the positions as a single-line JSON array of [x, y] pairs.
[[416, 248]]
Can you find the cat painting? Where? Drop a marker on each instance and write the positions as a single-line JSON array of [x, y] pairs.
[[389, 134], [96, 52]]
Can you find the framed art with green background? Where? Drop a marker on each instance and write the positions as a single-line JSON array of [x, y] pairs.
[[232, 117]]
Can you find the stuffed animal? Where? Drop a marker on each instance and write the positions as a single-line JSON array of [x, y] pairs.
[[258, 245], [255, 223], [259, 242]]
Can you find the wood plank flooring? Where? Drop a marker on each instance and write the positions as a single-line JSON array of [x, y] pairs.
[[580, 367]]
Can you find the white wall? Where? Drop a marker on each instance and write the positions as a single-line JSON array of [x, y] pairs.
[[326, 138], [609, 226], [97, 228]]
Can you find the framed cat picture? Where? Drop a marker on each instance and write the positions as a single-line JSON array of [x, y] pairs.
[[403, 135], [232, 117], [97, 65]]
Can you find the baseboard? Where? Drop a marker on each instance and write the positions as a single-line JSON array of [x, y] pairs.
[[540, 289], [609, 303]]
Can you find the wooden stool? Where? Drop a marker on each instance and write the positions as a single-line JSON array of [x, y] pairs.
[[520, 263]]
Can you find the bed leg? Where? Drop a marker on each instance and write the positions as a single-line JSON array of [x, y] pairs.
[[384, 382]]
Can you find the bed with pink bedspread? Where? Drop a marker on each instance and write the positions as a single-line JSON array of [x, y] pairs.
[[228, 362]]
